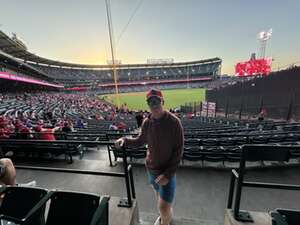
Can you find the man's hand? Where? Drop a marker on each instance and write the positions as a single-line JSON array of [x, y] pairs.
[[162, 180], [119, 143]]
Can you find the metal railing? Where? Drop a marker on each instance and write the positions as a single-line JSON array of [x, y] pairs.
[[256, 153], [127, 173]]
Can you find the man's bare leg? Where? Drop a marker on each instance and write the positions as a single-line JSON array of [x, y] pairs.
[[165, 211]]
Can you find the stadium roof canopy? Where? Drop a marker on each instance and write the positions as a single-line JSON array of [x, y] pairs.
[[19, 50], [20, 65]]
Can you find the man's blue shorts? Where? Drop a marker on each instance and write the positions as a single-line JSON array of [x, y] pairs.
[[166, 192]]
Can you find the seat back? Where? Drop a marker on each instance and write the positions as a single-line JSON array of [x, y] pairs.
[[265, 152], [292, 216], [18, 201], [72, 208]]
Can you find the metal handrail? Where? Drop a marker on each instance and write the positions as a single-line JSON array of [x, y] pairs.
[[126, 174], [237, 188]]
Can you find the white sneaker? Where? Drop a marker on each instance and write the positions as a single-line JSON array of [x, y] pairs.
[[157, 222], [29, 184]]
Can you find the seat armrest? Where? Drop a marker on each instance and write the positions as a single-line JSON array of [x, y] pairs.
[[101, 211], [38, 206]]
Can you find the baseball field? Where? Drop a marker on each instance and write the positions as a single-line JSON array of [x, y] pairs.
[[173, 98]]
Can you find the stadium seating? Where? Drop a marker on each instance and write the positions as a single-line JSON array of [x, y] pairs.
[[285, 216], [213, 141], [55, 148], [13, 210], [206, 139], [65, 207], [129, 74]]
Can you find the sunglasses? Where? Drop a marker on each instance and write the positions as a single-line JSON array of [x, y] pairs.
[[153, 102]]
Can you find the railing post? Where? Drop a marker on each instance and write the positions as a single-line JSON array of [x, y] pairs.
[[238, 194], [290, 108], [126, 202], [240, 215], [231, 191], [200, 109], [131, 181], [216, 109], [261, 104], [226, 108], [207, 109], [241, 108]]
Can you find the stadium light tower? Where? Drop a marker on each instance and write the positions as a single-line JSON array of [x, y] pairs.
[[263, 38], [112, 49]]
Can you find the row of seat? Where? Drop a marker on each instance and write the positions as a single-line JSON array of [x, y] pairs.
[[240, 140], [199, 153], [28, 148], [27, 205]]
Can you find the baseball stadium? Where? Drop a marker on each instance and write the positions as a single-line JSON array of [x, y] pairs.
[[149, 112]]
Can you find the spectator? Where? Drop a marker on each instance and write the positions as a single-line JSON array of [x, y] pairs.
[[262, 114], [113, 126], [67, 128], [163, 133], [3, 134], [139, 118], [121, 126], [24, 133], [79, 123], [46, 132]]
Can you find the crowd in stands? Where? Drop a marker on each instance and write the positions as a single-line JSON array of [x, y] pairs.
[[130, 74], [41, 115]]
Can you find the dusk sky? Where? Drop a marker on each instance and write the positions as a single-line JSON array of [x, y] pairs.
[[76, 30]]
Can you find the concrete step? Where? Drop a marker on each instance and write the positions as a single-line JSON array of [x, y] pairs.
[[149, 219]]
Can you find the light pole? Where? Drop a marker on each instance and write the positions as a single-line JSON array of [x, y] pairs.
[[112, 49], [263, 38]]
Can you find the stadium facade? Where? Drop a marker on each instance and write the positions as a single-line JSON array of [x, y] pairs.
[[19, 61]]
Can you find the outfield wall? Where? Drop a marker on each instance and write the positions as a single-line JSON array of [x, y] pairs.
[[278, 93]]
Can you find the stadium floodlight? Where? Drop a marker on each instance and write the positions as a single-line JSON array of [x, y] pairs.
[[263, 37]]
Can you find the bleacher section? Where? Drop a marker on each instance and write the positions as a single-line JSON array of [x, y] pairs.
[[221, 140], [206, 139]]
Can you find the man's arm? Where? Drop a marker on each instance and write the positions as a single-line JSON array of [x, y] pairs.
[[140, 140], [177, 151]]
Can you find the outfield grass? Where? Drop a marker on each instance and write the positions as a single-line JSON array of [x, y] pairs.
[[173, 98]]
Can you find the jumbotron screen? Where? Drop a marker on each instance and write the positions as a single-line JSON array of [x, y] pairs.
[[253, 67]]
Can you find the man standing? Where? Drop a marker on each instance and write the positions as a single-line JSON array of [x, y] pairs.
[[163, 133]]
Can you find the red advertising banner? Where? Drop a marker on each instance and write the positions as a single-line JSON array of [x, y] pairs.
[[254, 67]]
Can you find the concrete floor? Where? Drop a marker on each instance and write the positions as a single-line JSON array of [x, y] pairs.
[[201, 192]]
